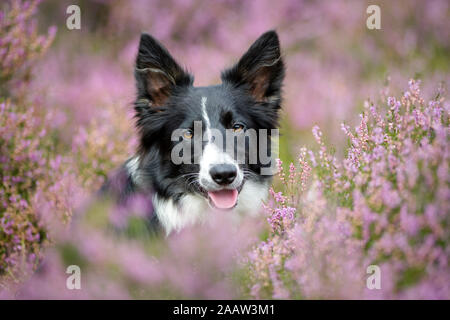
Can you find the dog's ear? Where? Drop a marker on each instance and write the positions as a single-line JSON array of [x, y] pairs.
[[260, 70], [157, 73]]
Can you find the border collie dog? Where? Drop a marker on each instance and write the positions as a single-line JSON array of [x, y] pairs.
[[185, 192]]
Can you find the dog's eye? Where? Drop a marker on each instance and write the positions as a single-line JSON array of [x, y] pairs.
[[238, 127], [188, 134]]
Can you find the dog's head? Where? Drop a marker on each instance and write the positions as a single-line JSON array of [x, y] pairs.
[[187, 132]]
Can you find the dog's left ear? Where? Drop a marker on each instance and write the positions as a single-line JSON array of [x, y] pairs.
[[157, 73], [260, 70]]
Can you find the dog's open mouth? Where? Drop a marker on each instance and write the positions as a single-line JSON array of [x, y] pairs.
[[223, 199]]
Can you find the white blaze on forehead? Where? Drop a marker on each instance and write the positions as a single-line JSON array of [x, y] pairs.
[[213, 155], [206, 118]]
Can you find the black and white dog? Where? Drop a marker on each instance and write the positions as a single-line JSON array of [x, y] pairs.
[[169, 110]]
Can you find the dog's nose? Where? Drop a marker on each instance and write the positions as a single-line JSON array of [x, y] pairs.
[[223, 173]]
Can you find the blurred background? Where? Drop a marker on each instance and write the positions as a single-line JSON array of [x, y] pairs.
[[334, 62]]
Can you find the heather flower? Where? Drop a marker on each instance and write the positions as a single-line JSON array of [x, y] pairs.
[[25, 145], [20, 44], [382, 203]]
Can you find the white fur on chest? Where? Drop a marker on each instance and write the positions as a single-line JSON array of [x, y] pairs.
[[193, 208]]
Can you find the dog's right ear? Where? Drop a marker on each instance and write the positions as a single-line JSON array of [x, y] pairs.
[[157, 73], [260, 70]]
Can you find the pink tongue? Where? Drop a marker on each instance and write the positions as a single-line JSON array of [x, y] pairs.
[[224, 199]]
